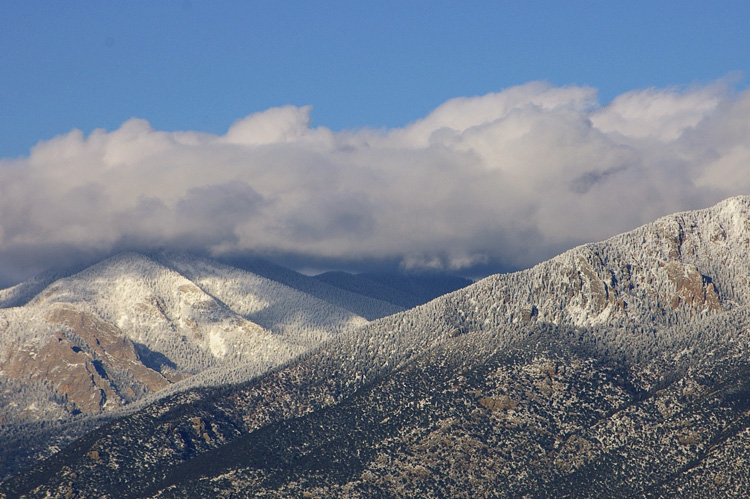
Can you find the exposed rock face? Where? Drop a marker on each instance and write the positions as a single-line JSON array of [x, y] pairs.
[[693, 289], [85, 363]]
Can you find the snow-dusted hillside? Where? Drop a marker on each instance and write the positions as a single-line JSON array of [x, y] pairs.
[[632, 293], [133, 328], [618, 366], [680, 267], [613, 323], [21, 293], [363, 305], [299, 317], [130, 326]]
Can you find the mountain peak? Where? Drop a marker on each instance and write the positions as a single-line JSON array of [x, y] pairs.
[[559, 380]]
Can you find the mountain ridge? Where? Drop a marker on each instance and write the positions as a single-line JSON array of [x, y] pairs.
[[131, 327], [406, 291], [645, 334]]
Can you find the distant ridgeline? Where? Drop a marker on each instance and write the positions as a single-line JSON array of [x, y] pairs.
[[619, 368]]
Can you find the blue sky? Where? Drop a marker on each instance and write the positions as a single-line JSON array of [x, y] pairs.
[[200, 65], [470, 137]]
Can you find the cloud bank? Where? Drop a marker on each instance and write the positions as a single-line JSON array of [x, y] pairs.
[[500, 181]]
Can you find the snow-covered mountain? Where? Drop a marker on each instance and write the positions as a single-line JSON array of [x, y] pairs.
[[299, 317], [621, 366], [360, 302], [131, 325], [135, 327]]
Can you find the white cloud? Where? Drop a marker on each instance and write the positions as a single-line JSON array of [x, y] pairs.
[[273, 126], [501, 180], [659, 114]]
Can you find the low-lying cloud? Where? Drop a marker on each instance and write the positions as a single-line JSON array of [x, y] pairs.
[[499, 181]]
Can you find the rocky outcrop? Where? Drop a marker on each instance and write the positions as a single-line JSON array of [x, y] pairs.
[[89, 362], [693, 289]]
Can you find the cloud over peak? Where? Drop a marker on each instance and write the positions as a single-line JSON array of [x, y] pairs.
[[496, 181]]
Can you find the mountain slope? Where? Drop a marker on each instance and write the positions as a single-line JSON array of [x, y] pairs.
[[277, 307], [619, 366], [22, 293], [132, 326], [360, 304], [407, 291], [545, 419], [127, 326]]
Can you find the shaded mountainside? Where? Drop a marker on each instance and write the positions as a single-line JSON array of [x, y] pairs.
[[621, 366], [360, 303], [403, 290]]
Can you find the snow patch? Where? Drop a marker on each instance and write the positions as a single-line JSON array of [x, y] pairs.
[[217, 345]]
